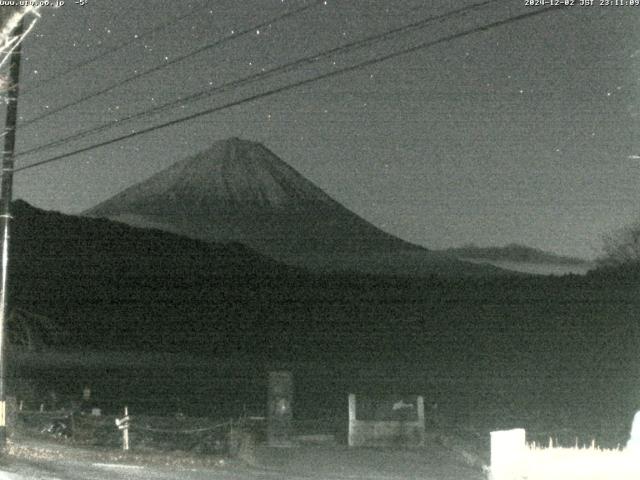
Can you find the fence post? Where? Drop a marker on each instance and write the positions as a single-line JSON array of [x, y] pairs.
[[125, 431], [123, 424]]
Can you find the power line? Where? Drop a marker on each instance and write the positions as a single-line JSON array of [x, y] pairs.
[[300, 83], [260, 76], [109, 51], [173, 61]]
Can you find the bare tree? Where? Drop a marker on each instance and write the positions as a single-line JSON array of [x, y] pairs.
[[9, 19], [622, 247]]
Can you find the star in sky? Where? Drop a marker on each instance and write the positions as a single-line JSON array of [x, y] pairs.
[[466, 124]]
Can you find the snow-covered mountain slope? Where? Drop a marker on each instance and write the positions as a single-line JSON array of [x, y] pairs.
[[239, 191]]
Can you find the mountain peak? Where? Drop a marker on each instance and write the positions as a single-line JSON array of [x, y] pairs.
[[231, 173]]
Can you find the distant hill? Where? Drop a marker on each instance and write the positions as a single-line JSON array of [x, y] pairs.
[[112, 285], [239, 191], [522, 258]]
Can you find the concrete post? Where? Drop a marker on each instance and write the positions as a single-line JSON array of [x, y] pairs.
[[507, 453], [280, 409], [352, 418]]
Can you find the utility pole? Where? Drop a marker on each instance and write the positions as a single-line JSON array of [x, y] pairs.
[[5, 218]]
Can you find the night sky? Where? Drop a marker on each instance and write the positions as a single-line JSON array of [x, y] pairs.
[[526, 132]]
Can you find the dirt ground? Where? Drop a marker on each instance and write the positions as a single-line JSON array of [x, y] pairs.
[[341, 462], [313, 462]]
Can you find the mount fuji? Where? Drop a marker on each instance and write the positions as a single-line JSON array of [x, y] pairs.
[[239, 191]]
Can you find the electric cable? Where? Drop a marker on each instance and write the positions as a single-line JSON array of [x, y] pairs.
[[300, 83], [173, 61], [109, 51], [365, 42]]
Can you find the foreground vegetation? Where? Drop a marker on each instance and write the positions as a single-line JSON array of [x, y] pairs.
[[486, 352]]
